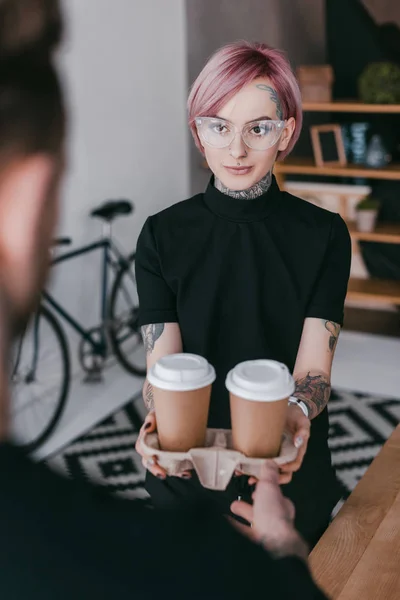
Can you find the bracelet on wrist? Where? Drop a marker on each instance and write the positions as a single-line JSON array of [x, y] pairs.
[[302, 405]]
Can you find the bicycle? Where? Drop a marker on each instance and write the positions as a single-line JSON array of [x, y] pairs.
[[118, 334]]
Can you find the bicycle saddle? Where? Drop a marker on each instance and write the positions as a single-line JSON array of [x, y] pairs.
[[112, 209]]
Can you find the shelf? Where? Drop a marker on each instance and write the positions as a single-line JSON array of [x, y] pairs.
[[384, 232], [307, 166], [377, 290], [351, 106]]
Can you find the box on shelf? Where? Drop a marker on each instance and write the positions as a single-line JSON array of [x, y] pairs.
[[315, 82]]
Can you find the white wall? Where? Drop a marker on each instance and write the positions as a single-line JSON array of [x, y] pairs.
[[124, 71]]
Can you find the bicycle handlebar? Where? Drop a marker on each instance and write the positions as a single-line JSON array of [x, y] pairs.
[[62, 241]]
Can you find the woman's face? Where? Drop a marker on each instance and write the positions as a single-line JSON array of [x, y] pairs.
[[256, 101]]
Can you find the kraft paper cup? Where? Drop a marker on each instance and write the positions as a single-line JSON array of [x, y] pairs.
[[259, 392], [182, 391]]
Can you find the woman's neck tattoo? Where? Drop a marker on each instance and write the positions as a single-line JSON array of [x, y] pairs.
[[251, 193]]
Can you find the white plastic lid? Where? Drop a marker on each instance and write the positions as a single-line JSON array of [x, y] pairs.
[[260, 380], [181, 373]]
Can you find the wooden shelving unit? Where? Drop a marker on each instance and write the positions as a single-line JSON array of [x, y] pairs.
[[376, 290], [306, 166], [386, 233], [350, 106]]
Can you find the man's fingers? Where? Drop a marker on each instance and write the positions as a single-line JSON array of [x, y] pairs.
[[242, 510], [269, 472], [285, 478], [291, 511], [244, 529]]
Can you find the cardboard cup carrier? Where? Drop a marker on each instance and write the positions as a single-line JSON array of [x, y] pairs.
[[182, 390]]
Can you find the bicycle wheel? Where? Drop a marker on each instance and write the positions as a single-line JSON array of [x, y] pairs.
[[126, 340], [40, 378]]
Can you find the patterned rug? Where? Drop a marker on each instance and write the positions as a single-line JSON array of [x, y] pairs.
[[360, 424]]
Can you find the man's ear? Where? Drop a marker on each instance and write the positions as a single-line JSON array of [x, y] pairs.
[[24, 190], [287, 134]]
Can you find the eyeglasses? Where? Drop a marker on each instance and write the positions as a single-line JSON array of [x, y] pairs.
[[258, 135]]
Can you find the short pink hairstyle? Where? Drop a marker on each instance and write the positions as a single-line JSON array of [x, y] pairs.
[[236, 65]]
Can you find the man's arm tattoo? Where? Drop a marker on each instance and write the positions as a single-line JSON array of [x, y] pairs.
[[150, 334], [274, 97], [149, 397], [334, 330], [314, 390]]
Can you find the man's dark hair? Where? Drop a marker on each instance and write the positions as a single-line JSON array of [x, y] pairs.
[[29, 27], [32, 115]]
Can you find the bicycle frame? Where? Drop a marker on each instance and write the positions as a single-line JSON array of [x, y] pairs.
[[112, 257]]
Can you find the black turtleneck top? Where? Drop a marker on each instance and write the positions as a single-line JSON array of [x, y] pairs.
[[240, 277]]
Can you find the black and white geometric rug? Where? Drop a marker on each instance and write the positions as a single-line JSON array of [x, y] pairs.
[[360, 424]]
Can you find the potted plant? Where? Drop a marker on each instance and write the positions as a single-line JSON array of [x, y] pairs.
[[367, 213]]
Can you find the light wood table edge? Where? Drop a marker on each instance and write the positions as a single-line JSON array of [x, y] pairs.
[[327, 543]]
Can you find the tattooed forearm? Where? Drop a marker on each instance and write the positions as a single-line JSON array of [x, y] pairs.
[[149, 397], [334, 330], [150, 334], [314, 390], [255, 191], [274, 97]]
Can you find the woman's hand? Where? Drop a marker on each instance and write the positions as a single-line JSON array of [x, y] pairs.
[[298, 426], [150, 461]]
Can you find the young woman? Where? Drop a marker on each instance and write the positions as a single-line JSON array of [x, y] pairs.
[[247, 271]]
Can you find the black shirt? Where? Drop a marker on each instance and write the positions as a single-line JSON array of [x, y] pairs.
[[63, 540], [240, 277]]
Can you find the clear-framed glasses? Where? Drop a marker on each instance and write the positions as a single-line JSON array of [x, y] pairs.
[[258, 135]]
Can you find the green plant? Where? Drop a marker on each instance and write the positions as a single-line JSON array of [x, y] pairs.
[[368, 203], [379, 83]]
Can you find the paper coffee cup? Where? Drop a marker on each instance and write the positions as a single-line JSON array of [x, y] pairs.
[[259, 392], [182, 391]]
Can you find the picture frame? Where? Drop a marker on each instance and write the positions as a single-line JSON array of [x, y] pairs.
[[328, 146]]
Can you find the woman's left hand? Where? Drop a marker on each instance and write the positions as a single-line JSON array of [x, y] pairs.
[[298, 427]]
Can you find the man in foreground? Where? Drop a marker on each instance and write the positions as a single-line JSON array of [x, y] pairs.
[[63, 539]]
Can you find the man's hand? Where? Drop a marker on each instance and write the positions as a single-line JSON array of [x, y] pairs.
[[271, 517], [271, 510]]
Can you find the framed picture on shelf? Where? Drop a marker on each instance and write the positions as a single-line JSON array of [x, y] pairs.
[[328, 146]]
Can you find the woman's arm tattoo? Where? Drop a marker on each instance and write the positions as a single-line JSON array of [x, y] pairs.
[[314, 390], [150, 334], [149, 397], [334, 330]]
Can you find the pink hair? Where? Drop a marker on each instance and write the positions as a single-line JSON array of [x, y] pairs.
[[236, 65]]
